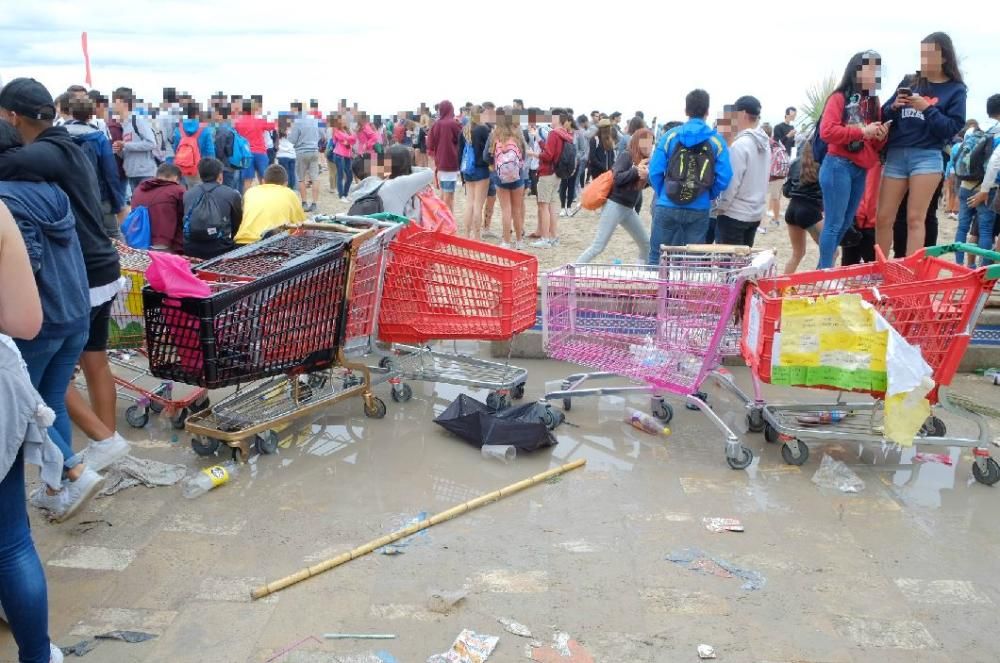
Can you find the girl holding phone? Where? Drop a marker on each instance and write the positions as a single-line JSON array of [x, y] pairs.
[[927, 109]]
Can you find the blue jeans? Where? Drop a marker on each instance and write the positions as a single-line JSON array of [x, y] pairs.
[[289, 166], [232, 179], [676, 226], [843, 186], [344, 175], [985, 218], [23, 593], [51, 362]]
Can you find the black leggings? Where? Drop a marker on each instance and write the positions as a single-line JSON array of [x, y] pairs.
[[567, 189], [899, 230]]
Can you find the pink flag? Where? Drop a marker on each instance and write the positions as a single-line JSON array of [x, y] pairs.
[[86, 58]]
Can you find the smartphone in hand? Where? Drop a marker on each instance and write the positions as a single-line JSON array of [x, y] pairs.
[[904, 92]]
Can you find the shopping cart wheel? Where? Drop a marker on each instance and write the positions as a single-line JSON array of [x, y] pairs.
[[137, 417], [990, 475], [567, 404], [934, 427], [498, 400], [518, 392], [266, 442], [662, 410], [377, 408], [771, 433], [156, 407], [744, 460], [755, 421], [552, 418], [788, 453], [205, 446], [386, 363], [202, 405], [401, 393], [179, 419], [700, 395]]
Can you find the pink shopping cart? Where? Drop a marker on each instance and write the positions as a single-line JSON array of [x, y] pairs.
[[663, 326]]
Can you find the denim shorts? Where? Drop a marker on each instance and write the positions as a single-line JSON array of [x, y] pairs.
[[495, 184], [448, 186], [902, 162], [478, 175]]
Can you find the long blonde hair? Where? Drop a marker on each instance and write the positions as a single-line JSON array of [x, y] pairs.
[[505, 130], [473, 122]]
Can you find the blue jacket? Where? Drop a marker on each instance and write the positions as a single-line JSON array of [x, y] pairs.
[[42, 213], [206, 142], [690, 133], [97, 147]]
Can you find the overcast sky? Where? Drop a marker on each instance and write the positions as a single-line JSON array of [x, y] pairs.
[[392, 55]]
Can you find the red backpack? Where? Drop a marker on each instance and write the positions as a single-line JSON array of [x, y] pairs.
[[188, 154]]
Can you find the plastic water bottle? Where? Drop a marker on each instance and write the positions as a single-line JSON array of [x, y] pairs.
[[644, 422], [832, 417], [209, 478]]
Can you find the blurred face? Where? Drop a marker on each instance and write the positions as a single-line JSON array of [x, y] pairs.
[[791, 117], [870, 75], [931, 59], [726, 126], [555, 121], [120, 107], [646, 146]]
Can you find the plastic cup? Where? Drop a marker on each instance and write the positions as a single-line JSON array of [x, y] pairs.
[[502, 452]]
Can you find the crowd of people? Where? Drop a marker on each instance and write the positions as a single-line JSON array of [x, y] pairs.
[[216, 175]]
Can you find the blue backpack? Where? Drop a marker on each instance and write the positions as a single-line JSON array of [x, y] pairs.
[[242, 157], [468, 159], [135, 228]]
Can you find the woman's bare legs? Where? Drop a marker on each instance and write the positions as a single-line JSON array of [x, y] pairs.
[[922, 188], [890, 195]]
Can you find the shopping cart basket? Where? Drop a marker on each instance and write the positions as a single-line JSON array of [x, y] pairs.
[[441, 287], [261, 411], [933, 303], [127, 353], [275, 309], [661, 326]]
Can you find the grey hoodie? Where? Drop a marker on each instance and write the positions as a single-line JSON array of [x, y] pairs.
[[137, 147], [745, 199], [398, 195], [305, 134]]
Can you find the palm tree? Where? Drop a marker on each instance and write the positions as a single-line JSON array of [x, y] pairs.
[[816, 97]]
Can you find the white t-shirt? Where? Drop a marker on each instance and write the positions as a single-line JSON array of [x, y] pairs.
[[286, 149]]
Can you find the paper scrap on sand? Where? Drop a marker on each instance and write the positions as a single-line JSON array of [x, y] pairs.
[[562, 650], [515, 627], [469, 647], [722, 525], [696, 560]]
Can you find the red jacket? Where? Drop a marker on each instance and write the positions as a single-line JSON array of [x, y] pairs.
[[837, 135], [552, 150], [442, 141], [253, 128], [165, 202], [866, 214]]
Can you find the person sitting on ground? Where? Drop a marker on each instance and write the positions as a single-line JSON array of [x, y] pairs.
[[269, 206], [163, 198], [212, 213], [395, 180]]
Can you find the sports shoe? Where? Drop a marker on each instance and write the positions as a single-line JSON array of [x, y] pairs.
[[54, 504], [76, 493], [519, 245], [576, 208], [344, 200], [55, 654], [505, 245], [313, 207], [543, 243], [562, 212], [98, 455], [554, 241], [305, 206], [489, 234]]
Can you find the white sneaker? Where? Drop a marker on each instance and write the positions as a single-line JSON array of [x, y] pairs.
[[489, 234], [576, 208], [519, 245], [505, 245], [54, 504], [98, 455], [76, 493], [55, 654], [542, 244], [344, 199], [554, 241], [562, 212]]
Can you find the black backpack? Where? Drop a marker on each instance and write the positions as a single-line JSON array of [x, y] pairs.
[[205, 221], [690, 172], [224, 145], [370, 203], [566, 163]]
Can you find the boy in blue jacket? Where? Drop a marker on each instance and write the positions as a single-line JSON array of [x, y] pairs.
[[682, 202]]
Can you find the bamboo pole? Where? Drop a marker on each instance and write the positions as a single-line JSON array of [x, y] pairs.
[[360, 551]]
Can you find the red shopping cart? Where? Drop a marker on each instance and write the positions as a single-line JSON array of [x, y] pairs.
[[933, 303]]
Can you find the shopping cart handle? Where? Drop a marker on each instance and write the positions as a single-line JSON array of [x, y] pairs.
[[992, 272]]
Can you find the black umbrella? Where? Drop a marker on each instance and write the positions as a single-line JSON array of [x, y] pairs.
[[525, 427]]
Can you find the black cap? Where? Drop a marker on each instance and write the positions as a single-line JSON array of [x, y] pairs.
[[28, 97], [748, 104]]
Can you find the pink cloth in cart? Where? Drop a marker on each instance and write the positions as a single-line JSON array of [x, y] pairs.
[[172, 276]]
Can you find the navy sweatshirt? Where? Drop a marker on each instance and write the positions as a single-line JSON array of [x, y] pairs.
[[932, 128], [55, 158], [42, 214]]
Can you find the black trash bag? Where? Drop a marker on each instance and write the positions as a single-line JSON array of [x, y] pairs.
[[525, 427]]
